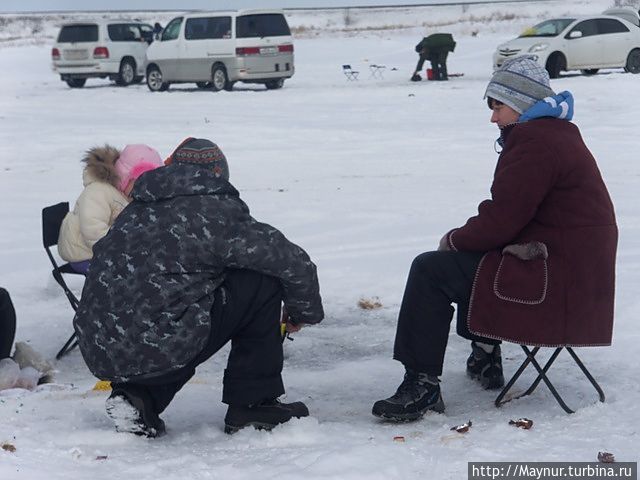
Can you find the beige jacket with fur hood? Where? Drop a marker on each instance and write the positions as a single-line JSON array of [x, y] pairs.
[[97, 207]]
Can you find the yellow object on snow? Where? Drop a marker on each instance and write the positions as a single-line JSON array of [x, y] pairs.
[[102, 385]]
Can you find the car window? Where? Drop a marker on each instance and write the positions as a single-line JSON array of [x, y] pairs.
[[262, 25], [611, 25], [548, 28], [207, 28], [172, 30], [78, 33], [587, 27], [124, 32], [147, 32]]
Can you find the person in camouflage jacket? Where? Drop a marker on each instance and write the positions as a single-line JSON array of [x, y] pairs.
[[183, 270]]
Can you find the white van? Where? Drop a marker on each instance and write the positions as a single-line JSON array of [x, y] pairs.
[[100, 49], [217, 49]]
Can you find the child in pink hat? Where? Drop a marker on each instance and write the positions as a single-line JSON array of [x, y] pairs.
[[134, 161], [108, 178]]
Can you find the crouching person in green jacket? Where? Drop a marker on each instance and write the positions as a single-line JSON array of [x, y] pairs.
[[184, 270]]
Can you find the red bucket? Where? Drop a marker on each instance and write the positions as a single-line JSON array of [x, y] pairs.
[[429, 74]]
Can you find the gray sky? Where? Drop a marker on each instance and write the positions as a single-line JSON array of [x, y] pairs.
[[74, 5]]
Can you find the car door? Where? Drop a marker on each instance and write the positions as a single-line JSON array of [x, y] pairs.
[[615, 41], [136, 46], [584, 45], [166, 51], [206, 41]]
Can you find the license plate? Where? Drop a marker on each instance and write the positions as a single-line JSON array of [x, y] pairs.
[[76, 54], [268, 50]]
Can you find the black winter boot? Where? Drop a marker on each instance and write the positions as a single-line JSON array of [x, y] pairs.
[[263, 416], [132, 411], [415, 396], [486, 367]]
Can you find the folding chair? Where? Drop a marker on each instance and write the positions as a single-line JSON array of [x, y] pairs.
[[376, 71], [52, 217], [542, 376], [351, 74]]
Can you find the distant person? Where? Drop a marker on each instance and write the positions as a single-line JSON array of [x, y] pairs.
[[435, 48], [108, 178], [157, 30], [536, 265], [7, 324], [184, 270]]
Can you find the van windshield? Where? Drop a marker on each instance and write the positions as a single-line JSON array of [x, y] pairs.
[[548, 28], [262, 25], [78, 33]]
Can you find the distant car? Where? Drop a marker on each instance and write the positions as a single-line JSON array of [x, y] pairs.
[[100, 49], [216, 49], [610, 40]]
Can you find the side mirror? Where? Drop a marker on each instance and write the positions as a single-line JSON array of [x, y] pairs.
[[575, 34]]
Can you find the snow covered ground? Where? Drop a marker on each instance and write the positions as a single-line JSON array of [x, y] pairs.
[[364, 175]]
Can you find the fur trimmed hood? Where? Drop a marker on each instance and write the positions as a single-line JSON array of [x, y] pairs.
[[100, 165]]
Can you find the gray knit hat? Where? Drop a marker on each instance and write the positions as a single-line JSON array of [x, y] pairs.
[[519, 83], [200, 151]]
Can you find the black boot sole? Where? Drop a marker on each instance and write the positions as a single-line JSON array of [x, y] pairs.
[[231, 429], [438, 407], [495, 383]]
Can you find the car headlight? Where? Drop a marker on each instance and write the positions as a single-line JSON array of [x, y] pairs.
[[538, 47]]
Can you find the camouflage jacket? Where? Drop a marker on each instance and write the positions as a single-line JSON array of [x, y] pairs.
[[146, 303]]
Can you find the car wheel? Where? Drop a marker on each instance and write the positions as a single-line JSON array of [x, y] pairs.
[[218, 78], [555, 64], [127, 73], [274, 84], [154, 80], [633, 61], [76, 82], [589, 71]]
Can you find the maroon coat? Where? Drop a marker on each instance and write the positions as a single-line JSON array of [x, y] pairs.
[[550, 235]]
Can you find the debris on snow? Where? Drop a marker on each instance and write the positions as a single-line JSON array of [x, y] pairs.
[[464, 428], [606, 457], [369, 303], [8, 447], [522, 423]]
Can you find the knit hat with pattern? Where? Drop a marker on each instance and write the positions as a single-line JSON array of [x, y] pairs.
[[200, 151], [519, 83]]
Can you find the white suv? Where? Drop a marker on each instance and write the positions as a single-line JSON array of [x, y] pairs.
[[217, 49], [100, 49], [610, 40]]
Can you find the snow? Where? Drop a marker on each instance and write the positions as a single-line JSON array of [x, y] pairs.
[[364, 175]]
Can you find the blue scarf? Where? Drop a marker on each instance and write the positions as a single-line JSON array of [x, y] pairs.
[[559, 106]]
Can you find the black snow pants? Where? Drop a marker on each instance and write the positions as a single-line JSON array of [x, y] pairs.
[[247, 312], [436, 280], [7, 323]]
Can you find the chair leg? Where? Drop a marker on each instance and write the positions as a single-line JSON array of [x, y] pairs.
[[70, 345], [515, 377], [542, 376], [587, 374]]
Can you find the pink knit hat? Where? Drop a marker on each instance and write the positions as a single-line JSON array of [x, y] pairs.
[[134, 161]]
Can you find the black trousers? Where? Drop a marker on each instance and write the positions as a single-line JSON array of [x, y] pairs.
[[7, 323], [438, 64], [247, 312], [436, 280]]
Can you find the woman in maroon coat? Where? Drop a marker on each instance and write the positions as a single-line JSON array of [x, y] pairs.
[[535, 266]]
